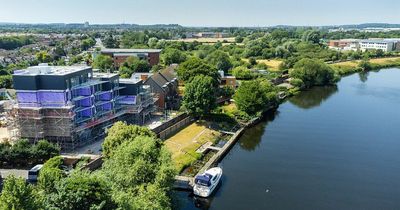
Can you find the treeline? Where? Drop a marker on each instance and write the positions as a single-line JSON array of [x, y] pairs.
[[13, 42], [23, 154]]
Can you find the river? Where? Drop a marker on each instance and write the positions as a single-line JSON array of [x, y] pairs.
[[332, 147]]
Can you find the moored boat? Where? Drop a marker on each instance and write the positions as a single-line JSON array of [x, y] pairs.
[[206, 183]]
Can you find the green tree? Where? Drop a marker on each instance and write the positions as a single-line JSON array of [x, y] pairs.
[[220, 60], [254, 96], [199, 98], [141, 173], [312, 36], [121, 132], [50, 174], [241, 72], [44, 150], [133, 64], [80, 190], [17, 194], [195, 67], [313, 72], [43, 57], [365, 65], [103, 62], [110, 42], [173, 55], [5, 81]]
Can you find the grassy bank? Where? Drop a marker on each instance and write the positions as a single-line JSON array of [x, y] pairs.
[[349, 67], [183, 145]]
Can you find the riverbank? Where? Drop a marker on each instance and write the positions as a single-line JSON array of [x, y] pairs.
[[343, 69], [350, 67]]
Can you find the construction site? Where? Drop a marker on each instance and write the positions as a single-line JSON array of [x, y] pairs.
[[72, 106]]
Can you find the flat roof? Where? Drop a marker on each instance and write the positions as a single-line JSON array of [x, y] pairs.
[[50, 70], [377, 41], [131, 50], [128, 81], [103, 75]]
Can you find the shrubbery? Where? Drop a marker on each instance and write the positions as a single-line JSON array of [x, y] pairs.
[[24, 154]]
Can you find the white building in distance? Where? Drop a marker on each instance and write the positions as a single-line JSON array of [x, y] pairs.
[[378, 44]]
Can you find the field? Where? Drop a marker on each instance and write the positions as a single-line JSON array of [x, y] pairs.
[[348, 67], [184, 144], [272, 64]]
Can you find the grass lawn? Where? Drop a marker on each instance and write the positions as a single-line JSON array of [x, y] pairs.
[[373, 61], [272, 64], [184, 144]]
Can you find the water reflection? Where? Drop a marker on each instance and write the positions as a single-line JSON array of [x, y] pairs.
[[314, 97], [363, 76], [251, 140]]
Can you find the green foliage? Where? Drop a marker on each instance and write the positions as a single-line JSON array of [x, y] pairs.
[[172, 56], [132, 65], [313, 72], [255, 96], [195, 67], [87, 43], [242, 72], [5, 81], [50, 174], [13, 42], [17, 194], [365, 65], [140, 173], [121, 132], [199, 98], [81, 190], [103, 62], [220, 60], [43, 57], [23, 154], [110, 42], [312, 36]]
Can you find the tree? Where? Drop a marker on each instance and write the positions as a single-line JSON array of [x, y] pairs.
[[133, 64], [199, 98], [254, 96], [121, 132], [17, 194], [312, 36], [110, 42], [80, 190], [43, 57], [172, 55], [195, 67], [220, 60], [44, 150], [103, 62], [141, 173], [50, 174], [313, 72], [241, 72], [5, 81], [365, 65]]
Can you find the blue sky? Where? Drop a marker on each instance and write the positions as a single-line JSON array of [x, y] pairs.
[[202, 12]]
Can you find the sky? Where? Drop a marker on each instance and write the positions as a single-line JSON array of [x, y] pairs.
[[202, 12]]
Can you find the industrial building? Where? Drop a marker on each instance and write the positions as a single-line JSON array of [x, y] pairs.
[[73, 106], [377, 44], [120, 55]]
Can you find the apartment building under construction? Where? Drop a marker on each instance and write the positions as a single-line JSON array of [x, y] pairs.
[[72, 105]]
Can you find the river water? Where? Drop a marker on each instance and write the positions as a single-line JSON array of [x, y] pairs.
[[327, 148]]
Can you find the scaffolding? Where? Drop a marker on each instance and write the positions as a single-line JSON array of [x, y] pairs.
[[74, 117]]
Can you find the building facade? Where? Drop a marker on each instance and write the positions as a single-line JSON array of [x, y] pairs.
[[120, 55], [384, 45], [72, 106]]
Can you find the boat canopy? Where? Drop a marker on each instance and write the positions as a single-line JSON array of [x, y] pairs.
[[204, 180]]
